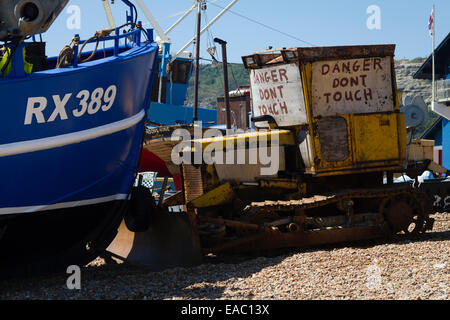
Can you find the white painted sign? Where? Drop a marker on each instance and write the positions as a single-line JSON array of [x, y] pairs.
[[352, 86], [278, 91]]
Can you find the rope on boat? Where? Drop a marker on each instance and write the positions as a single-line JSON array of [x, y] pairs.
[[98, 35], [66, 55]]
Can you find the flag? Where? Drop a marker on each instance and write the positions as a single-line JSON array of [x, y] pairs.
[[431, 23]]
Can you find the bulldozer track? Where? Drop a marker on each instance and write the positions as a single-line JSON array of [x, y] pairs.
[[323, 200], [269, 225]]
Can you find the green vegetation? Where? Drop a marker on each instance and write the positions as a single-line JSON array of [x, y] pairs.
[[211, 83]]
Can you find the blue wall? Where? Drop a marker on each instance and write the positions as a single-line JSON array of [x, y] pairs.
[[168, 114], [438, 135], [445, 143], [176, 93], [435, 133]]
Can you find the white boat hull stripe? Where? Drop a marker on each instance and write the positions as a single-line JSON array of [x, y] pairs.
[[70, 138], [65, 205]]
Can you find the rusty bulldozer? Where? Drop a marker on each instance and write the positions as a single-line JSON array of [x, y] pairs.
[[319, 167]]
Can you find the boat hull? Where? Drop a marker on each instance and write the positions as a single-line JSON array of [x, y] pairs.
[[48, 242], [69, 151]]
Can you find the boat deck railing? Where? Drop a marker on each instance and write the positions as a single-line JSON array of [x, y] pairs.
[[134, 35]]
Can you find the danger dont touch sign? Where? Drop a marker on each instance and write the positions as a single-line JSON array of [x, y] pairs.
[[352, 86], [277, 91]]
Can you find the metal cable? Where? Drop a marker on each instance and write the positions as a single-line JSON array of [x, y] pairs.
[[264, 25]]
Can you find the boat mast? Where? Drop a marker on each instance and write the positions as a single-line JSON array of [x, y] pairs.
[[213, 21], [200, 4]]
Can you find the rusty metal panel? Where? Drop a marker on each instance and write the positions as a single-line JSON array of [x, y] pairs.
[[240, 109], [345, 52], [352, 86], [278, 91], [333, 137]]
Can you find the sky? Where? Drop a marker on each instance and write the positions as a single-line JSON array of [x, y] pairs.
[[254, 25]]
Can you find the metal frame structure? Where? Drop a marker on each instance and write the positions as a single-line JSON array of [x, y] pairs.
[[163, 35]]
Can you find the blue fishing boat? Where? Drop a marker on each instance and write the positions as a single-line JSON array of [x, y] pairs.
[[70, 135]]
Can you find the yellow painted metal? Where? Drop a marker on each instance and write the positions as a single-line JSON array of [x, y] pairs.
[[306, 72], [376, 138], [283, 137], [279, 184], [376, 142], [159, 179], [221, 195], [211, 178], [402, 137]]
